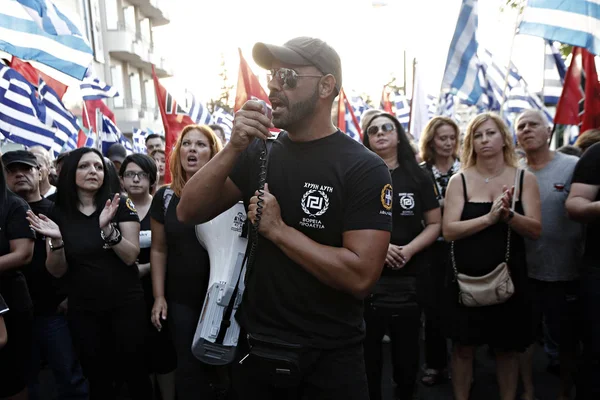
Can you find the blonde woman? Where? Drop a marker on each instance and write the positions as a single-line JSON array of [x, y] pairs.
[[178, 259], [439, 151], [477, 217]]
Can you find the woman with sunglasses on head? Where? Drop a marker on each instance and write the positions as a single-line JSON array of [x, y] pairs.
[[16, 251], [95, 237], [138, 176], [416, 225], [487, 231], [439, 151], [180, 265]]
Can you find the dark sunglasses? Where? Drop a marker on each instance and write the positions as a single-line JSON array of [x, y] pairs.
[[385, 128], [287, 78]]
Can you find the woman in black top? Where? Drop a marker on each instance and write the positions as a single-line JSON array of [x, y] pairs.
[[96, 238], [478, 218], [439, 152], [179, 264], [16, 251], [416, 225], [138, 174]]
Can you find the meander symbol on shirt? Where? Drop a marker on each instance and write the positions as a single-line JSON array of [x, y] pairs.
[[315, 203], [407, 203]]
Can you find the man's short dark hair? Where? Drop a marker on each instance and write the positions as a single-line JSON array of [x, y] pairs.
[[215, 127], [154, 136]]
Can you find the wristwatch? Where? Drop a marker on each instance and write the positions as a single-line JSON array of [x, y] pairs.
[[511, 214], [54, 248]]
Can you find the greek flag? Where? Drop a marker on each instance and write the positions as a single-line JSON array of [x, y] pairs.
[[23, 119], [554, 74], [110, 134], [446, 105], [574, 22], [93, 89], [37, 30], [402, 109], [462, 64], [91, 140], [199, 113], [139, 141], [223, 118], [65, 123], [359, 106], [71, 143]]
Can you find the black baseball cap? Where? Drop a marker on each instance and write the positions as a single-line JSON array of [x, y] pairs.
[[19, 157], [301, 51]]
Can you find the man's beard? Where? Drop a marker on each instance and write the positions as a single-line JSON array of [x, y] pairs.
[[297, 112]]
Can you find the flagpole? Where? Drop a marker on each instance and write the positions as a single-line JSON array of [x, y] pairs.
[[512, 45], [85, 112], [412, 95]]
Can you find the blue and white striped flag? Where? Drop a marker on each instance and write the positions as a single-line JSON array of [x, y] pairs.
[[359, 105], [71, 143], [65, 123], [462, 64], [139, 141], [574, 22], [23, 119], [92, 88], [446, 105], [223, 118], [90, 141], [554, 74], [110, 134], [36, 30], [199, 112], [402, 109]]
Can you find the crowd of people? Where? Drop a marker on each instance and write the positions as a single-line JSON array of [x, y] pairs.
[[103, 281]]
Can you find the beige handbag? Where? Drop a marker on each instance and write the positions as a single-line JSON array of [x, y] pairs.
[[495, 287]]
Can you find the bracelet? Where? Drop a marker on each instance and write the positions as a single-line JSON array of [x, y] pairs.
[[109, 240], [54, 248]]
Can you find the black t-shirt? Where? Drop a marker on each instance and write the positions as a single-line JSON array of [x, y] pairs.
[[98, 278], [587, 171], [144, 257], [324, 188], [188, 266], [412, 198], [45, 289], [13, 225]]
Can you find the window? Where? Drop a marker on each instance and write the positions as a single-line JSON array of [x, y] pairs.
[[129, 14], [150, 94], [112, 14], [145, 31], [136, 91], [116, 74]]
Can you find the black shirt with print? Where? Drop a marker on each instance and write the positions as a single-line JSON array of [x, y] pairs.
[[324, 188], [45, 290], [98, 278], [587, 171], [13, 225], [413, 196], [188, 266]]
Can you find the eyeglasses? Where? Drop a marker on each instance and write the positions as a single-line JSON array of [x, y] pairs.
[[287, 77], [140, 175], [385, 128]]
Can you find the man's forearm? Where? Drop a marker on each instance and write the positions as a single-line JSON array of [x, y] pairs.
[[337, 267], [200, 196], [583, 210]]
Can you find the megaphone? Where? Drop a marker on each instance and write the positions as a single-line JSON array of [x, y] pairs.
[[225, 241]]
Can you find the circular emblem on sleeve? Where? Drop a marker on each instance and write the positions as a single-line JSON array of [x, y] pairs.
[[130, 205], [387, 196]]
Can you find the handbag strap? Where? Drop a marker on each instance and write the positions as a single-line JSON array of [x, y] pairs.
[[512, 207]]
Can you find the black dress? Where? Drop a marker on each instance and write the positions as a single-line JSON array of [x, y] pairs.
[[503, 326]]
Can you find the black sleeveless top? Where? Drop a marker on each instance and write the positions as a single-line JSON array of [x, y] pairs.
[[504, 326]]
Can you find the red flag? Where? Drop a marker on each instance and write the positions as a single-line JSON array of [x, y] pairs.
[[344, 107], [386, 104], [248, 86], [579, 103], [33, 76], [89, 119], [174, 120]]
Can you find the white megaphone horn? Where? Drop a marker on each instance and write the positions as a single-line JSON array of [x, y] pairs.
[[217, 333]]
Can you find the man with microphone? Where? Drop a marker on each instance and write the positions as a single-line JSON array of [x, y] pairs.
[[324, 230]]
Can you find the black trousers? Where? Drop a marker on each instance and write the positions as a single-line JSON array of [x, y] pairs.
[[337, 374], [403, 323], [435, 347], [110, 346]]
